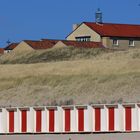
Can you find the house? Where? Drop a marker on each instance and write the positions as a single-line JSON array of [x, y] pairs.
[[29, 45], [117, 36], [10, 47]]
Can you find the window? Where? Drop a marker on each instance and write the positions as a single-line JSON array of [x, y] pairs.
[[115, 42], [7, 51], [83, 38], [131, 43]]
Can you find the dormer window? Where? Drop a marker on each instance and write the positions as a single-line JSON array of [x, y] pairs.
[[115, 42], [83, 38], [131, 43]]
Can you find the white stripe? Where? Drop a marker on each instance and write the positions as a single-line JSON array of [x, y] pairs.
[[47, 112], [76, 127], [44, 121], [107, 118], [7, 116], [34, 121], [30, 120], [123, 119], [134, 119], [20, 120], [73, 120], [104, 120], [90, 118], [86, 120], [1, 123], [138, 118], [93, 119], [16, 121], [63, 124], [4, 120], [56, 120], [116, 119], [60, 119]]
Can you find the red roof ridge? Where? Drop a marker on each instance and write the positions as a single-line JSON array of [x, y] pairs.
[[31, 40], [109, 23], [44, 39], [11, 46], [41, 44]]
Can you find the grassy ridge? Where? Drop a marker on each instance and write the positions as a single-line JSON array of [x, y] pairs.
[[54, 54], [100, 78]]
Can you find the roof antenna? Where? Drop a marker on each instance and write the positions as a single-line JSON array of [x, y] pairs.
[[98, 17], [8, 42]]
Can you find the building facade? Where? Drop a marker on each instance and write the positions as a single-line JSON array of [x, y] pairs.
[[116, 36], [96, 119]]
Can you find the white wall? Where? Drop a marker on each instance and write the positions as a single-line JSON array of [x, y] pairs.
[[89, 122]]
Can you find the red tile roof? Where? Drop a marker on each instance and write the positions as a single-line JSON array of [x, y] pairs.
[[1, 50], [42, 44], [115, 30], [11, 46], [83, 44], [46, 43]]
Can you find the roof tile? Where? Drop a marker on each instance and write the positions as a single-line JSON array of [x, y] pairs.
[[83, 44], [42, 44], [11, 46], [115, 30], [1, 50]]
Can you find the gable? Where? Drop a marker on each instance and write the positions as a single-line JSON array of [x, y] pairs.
[[84, 30], [23, 46], [59, 44]]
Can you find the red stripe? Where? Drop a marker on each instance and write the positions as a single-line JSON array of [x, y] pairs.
[[11, 121], [67, 119], [51, 120], [81, 119], [111, 118], [128, 118], [24, 120], [38, 120], [97, 119]]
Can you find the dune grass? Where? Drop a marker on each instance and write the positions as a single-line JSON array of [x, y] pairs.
[[104, 78], [51, 55]]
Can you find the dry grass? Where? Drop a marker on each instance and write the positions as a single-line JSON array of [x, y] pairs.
[[50, 55], [107, 78]]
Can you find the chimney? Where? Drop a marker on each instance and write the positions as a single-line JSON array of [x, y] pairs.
[[98, 16], [75, 26]]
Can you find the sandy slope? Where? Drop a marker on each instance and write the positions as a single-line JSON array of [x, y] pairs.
[[107, 78]]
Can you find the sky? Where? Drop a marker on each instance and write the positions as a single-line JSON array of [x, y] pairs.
[[53, 19]]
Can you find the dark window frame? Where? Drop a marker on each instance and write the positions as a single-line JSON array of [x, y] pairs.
[[83, 38]]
